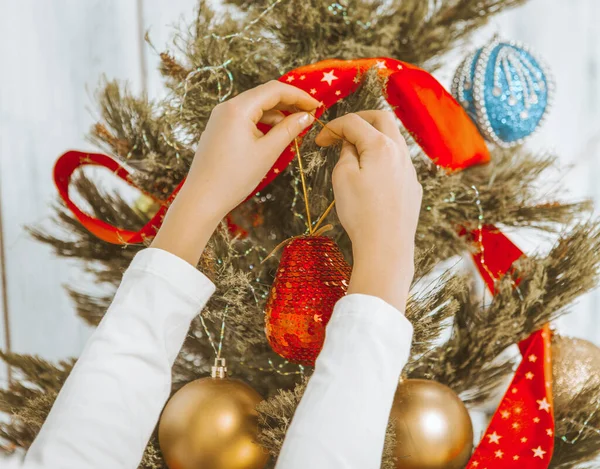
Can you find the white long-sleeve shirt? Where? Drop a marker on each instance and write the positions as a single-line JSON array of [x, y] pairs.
[[111, 402]]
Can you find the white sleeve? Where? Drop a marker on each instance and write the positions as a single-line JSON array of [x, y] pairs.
[[342, 418], [109, 405]]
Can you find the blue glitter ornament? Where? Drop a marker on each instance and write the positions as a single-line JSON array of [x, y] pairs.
[[505, 89]]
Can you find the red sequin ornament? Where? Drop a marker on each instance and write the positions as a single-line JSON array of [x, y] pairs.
[[311, 277]]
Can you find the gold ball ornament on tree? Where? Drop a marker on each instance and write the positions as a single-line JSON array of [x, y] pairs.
[[433, 427], [212, 423], [575, 367]]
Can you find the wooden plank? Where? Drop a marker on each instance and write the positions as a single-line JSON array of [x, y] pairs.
[[54, 54], [160, 20], [5, 342]]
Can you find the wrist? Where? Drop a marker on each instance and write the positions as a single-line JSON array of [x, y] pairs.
[[389, 253], [383, 272], [187, 226], [201, 206]]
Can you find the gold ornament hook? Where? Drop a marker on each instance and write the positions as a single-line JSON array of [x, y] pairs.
[[219, 369]]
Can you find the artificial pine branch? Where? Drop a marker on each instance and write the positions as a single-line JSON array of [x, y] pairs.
[[547, 286]]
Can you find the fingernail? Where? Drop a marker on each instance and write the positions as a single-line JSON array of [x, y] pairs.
[[305, 120]]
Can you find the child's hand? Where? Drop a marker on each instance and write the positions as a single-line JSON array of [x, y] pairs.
[[378, 198], [233, 155], [231, 159]]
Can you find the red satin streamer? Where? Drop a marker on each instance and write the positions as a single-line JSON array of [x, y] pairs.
[[427, 110], [63, 171], [521, 432]]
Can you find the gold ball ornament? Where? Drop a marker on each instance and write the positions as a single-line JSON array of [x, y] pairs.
[[212, 423], [575, 366], [433, 427]]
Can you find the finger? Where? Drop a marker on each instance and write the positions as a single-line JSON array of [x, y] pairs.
[[280, 136], [287, 107], [345, 169], [349, 157], [352, 128], [385, 122], [274, 93], [272, 118]]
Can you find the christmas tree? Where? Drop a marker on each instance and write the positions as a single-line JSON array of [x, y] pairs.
[[473, 192]]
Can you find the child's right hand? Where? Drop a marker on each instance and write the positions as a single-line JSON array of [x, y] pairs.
[[231, 159], [378, 198]]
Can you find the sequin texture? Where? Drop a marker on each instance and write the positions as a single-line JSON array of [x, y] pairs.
[[312, 276]]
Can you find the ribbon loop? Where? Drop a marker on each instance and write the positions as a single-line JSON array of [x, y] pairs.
[[64, 169]]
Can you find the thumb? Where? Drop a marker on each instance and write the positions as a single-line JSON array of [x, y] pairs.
[[282, 134]]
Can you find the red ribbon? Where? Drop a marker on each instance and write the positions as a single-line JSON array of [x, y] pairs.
[[521, 432], [63, 171], [426, 109]]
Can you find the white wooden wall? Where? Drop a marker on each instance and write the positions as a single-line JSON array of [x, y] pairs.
[[54, 52]]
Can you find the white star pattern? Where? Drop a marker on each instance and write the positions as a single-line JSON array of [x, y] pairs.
[[302, 77], [499, 454], [313, 91], [505, 414], [494, 438], [529, 375], [532, 358], [515, 425], [544, 405], [329, 77], [338, 92], [536, 420], [538, 452], [475, 463], [549, 432], [516, 457], [514, 390], [400, 67], [290, 79], [380, 64], [518, 410], [524, 440]]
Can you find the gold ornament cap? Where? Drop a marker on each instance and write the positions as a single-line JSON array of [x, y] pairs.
[[219, 369]]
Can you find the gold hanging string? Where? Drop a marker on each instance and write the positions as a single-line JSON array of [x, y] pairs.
[[322, 217], [285, 242], [323, 124], [304, 191], [317, 230], [311, 229]]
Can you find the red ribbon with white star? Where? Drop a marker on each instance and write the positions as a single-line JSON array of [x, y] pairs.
[[428, 111], [521, 432], [73, 160]]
